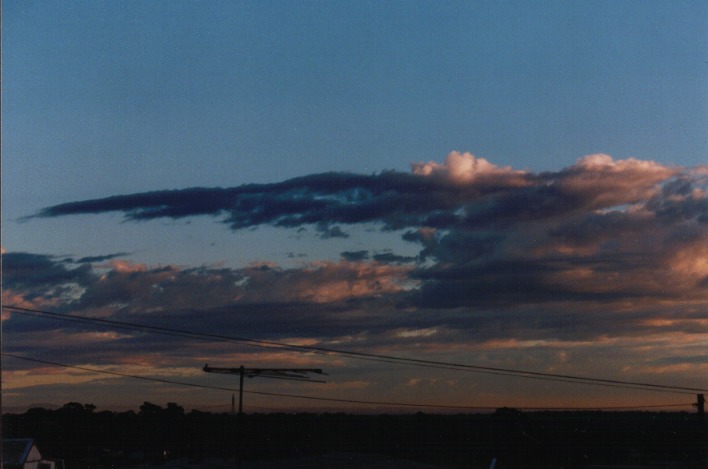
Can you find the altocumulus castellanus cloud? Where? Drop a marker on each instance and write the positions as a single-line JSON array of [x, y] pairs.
[[598, 229], [603, 247]]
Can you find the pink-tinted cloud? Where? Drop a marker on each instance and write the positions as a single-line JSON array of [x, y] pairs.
[[465, 168], [597, 230], [520, 269], [604, 182], [324, 282]]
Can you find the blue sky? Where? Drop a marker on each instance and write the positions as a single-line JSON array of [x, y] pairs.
[[103, 99], [110, 98]]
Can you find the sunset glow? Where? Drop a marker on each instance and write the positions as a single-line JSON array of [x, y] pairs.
[[420, 199]]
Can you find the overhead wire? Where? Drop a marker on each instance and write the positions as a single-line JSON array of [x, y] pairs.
[[326, 399], [220, 388], [362, 355], [282, 346]]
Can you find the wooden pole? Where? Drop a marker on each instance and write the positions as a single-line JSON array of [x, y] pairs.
[[240, 392], [297, 374], [702, 428]]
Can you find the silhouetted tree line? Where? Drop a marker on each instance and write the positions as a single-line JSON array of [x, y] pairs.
[[84, 437]]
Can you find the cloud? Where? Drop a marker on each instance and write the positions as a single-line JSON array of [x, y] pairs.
[[41, 279], [602, 253], [463, 190], [391, 258], [258, 299], [107, 257], [23, 269], [598, 230], [600, 181], [393, 199], [324, 282], [326, 231], [354, 256], [465, 168]]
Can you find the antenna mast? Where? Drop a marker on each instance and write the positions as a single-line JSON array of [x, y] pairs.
[[293, 374]]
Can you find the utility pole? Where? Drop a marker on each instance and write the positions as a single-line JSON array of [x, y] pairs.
[[293, 374], [240, 391], [702, 429]]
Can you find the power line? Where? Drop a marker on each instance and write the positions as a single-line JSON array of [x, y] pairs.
[[248, 342], [316, 398], [219, 388], [364, 355]]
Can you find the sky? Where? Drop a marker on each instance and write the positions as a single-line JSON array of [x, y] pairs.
[[518, 187]]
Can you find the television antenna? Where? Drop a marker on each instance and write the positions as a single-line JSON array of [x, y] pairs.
[[292, 374]]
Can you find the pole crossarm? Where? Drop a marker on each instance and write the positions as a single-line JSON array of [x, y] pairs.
[[295, 374]]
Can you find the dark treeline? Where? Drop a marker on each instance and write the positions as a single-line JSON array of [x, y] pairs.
[[84, 437]]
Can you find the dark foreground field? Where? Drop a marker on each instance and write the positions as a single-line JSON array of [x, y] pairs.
[[169, 437]]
